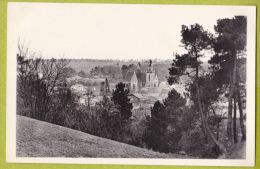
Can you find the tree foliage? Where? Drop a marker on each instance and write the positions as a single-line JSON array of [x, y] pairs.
[[122, 102], [196, 41], [106, 87], [82, 74], [167, 122], [230, 48]]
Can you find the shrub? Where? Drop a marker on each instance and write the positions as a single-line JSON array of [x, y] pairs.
[[192, 141]]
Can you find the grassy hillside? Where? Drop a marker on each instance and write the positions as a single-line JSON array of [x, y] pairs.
[[40, 139]]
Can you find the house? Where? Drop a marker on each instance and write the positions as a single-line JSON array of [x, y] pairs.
[[135, 97], [98, 80], [112, 86], [164, 93], [91, 100], [77, 77], [137, 80], [78, 88], [164, 85], [74, 78]]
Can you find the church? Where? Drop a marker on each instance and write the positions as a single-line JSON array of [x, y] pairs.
[[137, 80]]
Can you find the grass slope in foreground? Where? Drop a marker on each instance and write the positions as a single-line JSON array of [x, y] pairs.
[[40, 139]]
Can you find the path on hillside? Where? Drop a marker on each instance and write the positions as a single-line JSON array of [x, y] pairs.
[[40, 139]]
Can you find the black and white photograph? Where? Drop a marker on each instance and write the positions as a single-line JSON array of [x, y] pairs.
[[131, 84]]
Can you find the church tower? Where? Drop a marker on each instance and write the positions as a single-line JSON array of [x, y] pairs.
[[150, 76], [156, 83]]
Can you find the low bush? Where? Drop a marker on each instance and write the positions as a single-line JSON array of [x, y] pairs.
[[193, 142]]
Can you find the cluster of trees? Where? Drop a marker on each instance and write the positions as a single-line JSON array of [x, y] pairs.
[[127, 68], [70, 72], [175, 126], [206, 87], [111, 71], [39, 84], [115, 72], [43, 94], [110, 118]]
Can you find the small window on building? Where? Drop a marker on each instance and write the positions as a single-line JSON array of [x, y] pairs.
[[149, 77], [133, 86]]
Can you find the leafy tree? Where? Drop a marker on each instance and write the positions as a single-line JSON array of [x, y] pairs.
[[230, 47], [122, 102], [124, 70], [157, 126], [102, 88], [95, 71], [195, 40], [82, 74], [106, 86], [69, 72], [167, 122]]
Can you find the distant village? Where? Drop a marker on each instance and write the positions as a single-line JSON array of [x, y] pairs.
[[144, 87]]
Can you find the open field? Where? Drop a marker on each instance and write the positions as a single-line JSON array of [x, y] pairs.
[[40, 139]]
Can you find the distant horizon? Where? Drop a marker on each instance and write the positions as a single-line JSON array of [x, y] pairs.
[[121, 60]]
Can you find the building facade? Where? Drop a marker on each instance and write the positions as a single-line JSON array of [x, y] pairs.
[[138, 80]]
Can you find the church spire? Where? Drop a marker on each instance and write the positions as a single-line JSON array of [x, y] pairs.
[[134, 78]]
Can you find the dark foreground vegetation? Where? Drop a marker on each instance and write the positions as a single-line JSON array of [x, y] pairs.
[[193, 124]]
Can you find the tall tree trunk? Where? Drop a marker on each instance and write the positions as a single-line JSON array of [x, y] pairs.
[[229, 123], [205, 133], [235, 120], [218, 130], [205, 123], [217, 122], [243, 130], [230, 96], [203, 118]]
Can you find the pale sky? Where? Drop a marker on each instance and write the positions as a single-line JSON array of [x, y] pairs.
[[108, 31]]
